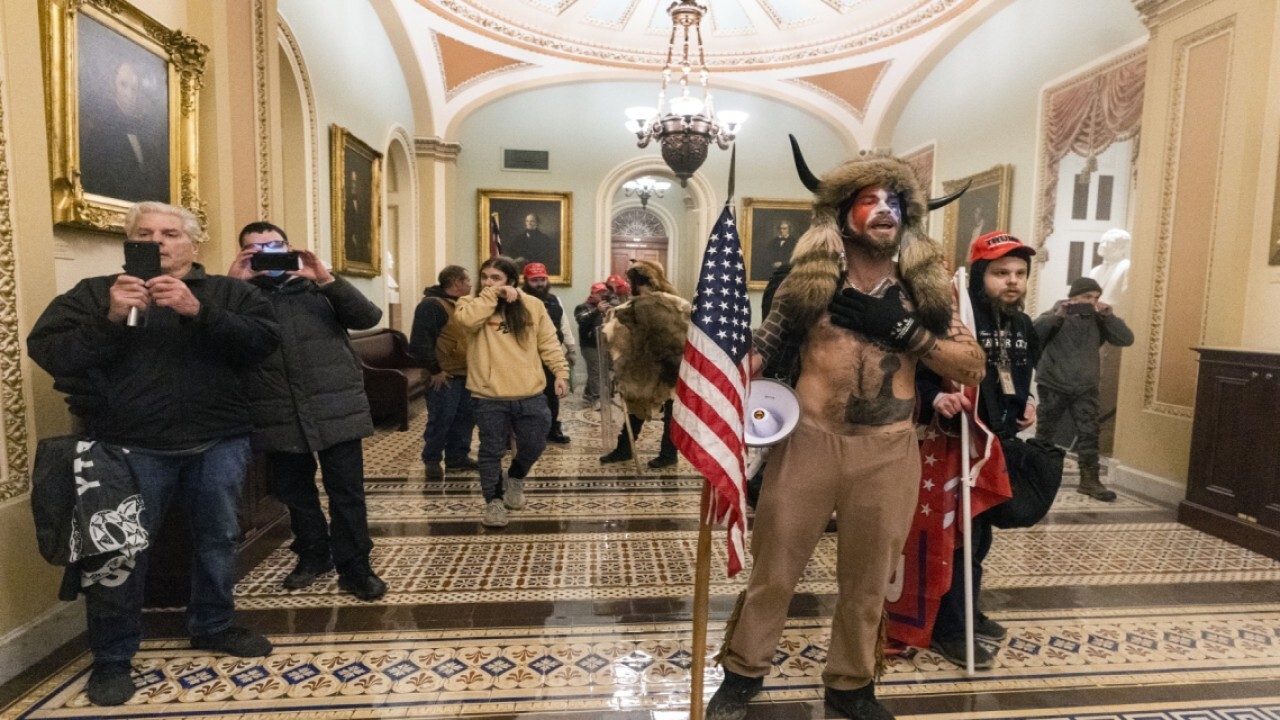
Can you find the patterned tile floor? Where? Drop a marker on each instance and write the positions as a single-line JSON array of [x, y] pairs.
[[581, 609]]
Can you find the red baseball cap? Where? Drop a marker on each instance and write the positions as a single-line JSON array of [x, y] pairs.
[[598, 288], [615, 281], [996, 245], [535, 270]]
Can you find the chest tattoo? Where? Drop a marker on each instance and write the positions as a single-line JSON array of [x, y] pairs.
[[883, 408]]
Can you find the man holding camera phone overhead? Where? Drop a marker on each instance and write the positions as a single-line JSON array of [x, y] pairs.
[[169, 391], [1068, 373], [308, 400]]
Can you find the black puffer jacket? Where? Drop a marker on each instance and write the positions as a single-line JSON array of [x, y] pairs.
[[310, 394], [172, 384]]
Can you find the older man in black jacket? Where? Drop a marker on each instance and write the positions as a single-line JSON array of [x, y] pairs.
[[308, 399], [167, 389]]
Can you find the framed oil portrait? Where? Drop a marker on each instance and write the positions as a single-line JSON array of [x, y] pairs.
[[121, 103], [355, 204], [770, 229], [983, 209], [534, 226]]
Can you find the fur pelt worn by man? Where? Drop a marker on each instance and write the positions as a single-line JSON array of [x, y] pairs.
[[646, 341]]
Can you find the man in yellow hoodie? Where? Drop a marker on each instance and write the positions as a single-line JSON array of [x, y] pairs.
[[509, 338]]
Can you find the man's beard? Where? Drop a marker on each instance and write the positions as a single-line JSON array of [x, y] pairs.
[[877, 250], [540, 294], [1000, 307]]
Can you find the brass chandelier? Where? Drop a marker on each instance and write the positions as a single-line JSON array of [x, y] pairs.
[[685, 127]]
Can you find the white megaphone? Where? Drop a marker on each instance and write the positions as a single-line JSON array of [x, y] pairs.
[[773, 411]]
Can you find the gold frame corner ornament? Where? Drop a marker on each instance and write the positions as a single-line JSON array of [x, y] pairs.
[[564, 201], [340, 140], [184, 58], [1000, 177]]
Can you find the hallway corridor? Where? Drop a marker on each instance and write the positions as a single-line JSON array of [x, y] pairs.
[[582, 608]]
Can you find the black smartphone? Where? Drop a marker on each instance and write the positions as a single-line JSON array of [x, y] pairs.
[[141, 259], [1079, 308], [287, 261]]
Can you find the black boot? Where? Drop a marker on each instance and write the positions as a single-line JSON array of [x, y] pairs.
[[730, 700], [307, 570], [860, 704], [557, 435]]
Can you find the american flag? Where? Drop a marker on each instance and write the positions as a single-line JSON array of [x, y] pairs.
[[495, 237], [712, 388]]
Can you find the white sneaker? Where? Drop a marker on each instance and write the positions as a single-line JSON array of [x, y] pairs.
[[513, 493], [495, 515]]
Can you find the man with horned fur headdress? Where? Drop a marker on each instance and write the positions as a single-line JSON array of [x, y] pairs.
[[851, 324]]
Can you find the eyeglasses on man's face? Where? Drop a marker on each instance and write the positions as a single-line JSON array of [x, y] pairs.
[[270, 245]]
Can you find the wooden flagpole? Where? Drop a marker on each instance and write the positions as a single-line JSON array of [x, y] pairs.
[[701, 595]]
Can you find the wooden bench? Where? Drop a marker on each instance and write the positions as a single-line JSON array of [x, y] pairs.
[[392, 377]]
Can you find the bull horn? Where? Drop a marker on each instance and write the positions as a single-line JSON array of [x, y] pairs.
[[941, 202], [806, 176]]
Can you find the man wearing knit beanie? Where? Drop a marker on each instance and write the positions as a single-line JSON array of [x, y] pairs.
[[1069, 371]]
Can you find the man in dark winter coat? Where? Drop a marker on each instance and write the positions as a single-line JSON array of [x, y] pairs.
[[168, 388], [441, 347], [308, 400], [999, 265], [1070, 370], [537, 284]]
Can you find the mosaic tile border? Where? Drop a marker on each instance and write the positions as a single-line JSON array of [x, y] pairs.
[[607, 667], [501, 567]]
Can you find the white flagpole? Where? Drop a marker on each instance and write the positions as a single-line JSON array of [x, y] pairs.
[[966, 484]]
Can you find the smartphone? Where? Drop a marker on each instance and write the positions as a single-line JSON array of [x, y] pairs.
[[287, 261], [1079, 308], [141, 259]]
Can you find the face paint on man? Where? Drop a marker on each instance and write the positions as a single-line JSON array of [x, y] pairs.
[[874, 220]]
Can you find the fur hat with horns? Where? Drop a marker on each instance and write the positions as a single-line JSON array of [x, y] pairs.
[[818, 263]]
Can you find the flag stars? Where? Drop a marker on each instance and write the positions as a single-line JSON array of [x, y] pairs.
[[926, 510], [931, 460]]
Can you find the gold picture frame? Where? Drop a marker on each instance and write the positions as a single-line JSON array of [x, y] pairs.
[[355, 204], [770, 229], [121, 94], [550, 238], [982, 209]]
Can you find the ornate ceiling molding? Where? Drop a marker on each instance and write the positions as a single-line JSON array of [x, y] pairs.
[[432, 147], [505, 27]]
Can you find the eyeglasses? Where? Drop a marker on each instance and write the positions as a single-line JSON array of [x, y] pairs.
[[272, 245]]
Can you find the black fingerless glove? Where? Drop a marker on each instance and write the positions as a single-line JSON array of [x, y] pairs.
[[884, 320]]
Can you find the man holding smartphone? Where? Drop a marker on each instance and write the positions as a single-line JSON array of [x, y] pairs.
[[1069, 372], [169, 391], [308, 401]]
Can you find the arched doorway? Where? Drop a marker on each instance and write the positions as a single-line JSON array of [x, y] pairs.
[[637, 233]]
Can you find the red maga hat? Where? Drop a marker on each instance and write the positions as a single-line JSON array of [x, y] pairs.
[[535, 270], [996, 245], [598, 288]]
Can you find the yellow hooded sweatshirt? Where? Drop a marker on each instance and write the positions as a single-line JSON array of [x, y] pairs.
[[499, 367]]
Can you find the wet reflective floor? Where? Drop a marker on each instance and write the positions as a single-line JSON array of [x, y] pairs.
[[582, 608]]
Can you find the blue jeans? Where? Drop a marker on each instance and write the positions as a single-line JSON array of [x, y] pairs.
[[345, 539], [450, 420], [208, 486], [529, 419]]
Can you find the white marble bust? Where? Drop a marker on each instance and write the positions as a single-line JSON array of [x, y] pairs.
[[1113, 273]]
